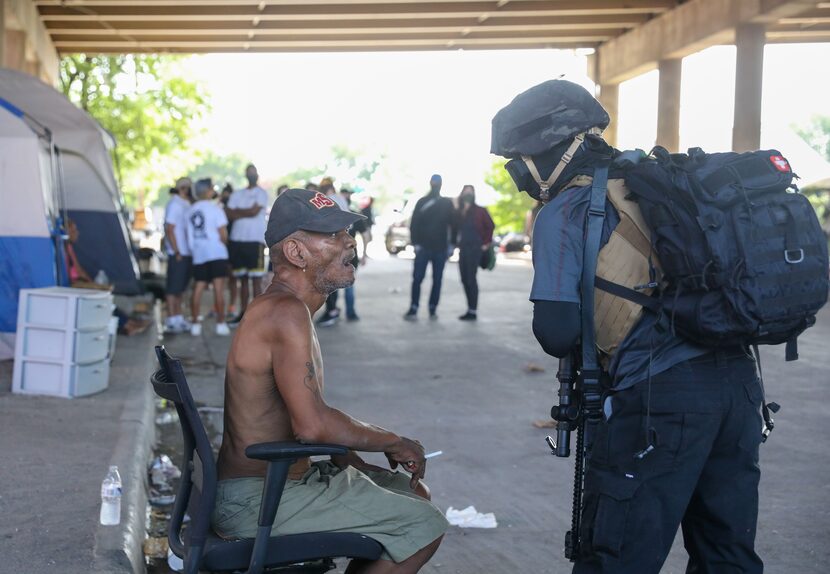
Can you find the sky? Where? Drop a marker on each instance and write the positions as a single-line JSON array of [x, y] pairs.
[[430, 112]]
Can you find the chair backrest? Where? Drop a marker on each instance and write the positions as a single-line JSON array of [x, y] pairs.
[[197, 490]]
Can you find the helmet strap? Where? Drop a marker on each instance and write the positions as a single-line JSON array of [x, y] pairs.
[[546, 184]]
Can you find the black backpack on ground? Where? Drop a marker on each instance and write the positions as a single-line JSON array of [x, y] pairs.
[[743, 255]]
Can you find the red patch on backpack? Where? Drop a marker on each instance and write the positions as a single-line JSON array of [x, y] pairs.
[[320, 201], [780, 163]]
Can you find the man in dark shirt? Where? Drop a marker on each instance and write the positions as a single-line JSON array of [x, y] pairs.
[[430, 230]]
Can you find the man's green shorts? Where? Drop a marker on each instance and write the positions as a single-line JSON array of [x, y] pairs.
[[327, 499]]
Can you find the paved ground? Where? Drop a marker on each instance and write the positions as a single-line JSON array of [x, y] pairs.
[[55, 452], [464, 389]]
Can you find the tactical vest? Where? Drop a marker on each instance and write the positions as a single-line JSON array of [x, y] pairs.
[[623, 260]]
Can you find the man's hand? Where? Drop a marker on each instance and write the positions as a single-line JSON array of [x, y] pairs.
[[410, 455]]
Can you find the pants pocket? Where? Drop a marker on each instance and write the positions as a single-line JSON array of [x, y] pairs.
[[606, 514]]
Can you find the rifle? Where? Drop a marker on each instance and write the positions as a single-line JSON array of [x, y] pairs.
[[578, 410]]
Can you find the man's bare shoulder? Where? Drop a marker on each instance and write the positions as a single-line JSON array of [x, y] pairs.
[[277, 314]]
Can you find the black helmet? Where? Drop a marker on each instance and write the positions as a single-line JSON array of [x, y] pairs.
[[543, 116]]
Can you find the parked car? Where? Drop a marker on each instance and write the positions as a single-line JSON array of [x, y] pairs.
[[514, 243], [397, 237]]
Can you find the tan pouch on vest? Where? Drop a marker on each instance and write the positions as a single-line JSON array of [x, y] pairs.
[[623, 260]]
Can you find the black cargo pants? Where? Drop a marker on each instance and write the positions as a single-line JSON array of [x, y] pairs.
[[703, 474]]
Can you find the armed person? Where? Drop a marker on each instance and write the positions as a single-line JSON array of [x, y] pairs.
[[669, 421], [274, 391]]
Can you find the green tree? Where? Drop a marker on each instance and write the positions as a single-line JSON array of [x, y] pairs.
[[510, 211], [817, 134], [152, 112], [348, 167], [224, 168]]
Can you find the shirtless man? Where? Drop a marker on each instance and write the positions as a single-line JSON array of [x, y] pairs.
[[274, 392]]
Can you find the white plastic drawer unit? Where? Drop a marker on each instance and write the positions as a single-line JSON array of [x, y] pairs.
[[58, 345], [63, 341], [94, 314]]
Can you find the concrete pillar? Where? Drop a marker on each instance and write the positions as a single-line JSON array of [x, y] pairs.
[[2, 31], [749, 79], [609, 97], [33, 68], [668, 104], [15, 46]]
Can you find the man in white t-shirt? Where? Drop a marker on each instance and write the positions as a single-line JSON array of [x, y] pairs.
[[178, 254], [246, 209], [207, 234]]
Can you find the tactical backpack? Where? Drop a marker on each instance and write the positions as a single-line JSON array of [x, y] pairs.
[[743, 255]]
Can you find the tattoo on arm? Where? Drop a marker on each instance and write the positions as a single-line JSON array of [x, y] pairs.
[[310, 380]]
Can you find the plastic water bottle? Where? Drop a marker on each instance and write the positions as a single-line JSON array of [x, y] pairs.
[[111, 498], [101, 278]]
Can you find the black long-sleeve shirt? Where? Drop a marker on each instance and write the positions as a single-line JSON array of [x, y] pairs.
[[432, 222]]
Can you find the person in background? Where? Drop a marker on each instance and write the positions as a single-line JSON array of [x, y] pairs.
[[358, 228], [80, 279], [207, 233], [430, 231], [475, 234], [233, 282], [311, 186], [179, 261], [367, 211], [332, 313], [281, 189], [246, 209]]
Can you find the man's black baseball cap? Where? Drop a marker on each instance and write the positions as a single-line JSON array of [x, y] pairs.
[[301, 209]]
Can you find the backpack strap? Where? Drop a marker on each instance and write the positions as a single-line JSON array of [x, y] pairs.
[[591, 372], [546, 184], [640, 299]]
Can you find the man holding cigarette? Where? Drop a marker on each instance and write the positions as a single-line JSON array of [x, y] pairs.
[[274, 392]]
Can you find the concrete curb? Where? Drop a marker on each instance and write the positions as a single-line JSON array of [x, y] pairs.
[[119, 549]]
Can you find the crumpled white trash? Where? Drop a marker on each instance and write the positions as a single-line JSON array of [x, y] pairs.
[[471, 518]]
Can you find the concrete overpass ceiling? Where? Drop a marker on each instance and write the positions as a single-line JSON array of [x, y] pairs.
[[338, 25]]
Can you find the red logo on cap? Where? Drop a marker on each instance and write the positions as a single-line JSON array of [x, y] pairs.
[[780, 163], [320, 201]]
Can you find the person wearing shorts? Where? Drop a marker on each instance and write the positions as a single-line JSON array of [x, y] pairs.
[[246, 209], [179, 261], [274, 392], [207, 234]]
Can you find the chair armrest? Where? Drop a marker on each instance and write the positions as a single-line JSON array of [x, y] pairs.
[[291, 450]]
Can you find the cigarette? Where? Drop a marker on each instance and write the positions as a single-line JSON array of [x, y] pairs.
[[434, 454]]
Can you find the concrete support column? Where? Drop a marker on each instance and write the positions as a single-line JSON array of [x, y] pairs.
[[668, 104], [2, 31], [609, 97], [15, 45], [749, 79], [33, 68]]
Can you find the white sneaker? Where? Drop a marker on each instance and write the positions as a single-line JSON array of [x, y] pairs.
[[196, 329], [222, 329]]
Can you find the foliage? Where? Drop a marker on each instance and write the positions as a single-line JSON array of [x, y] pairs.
[[817, 134], [143, 101], [348, 167], [510, 211], [225, 168]]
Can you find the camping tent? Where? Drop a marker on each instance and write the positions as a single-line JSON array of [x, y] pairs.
[[29, 245], [92, 197]]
